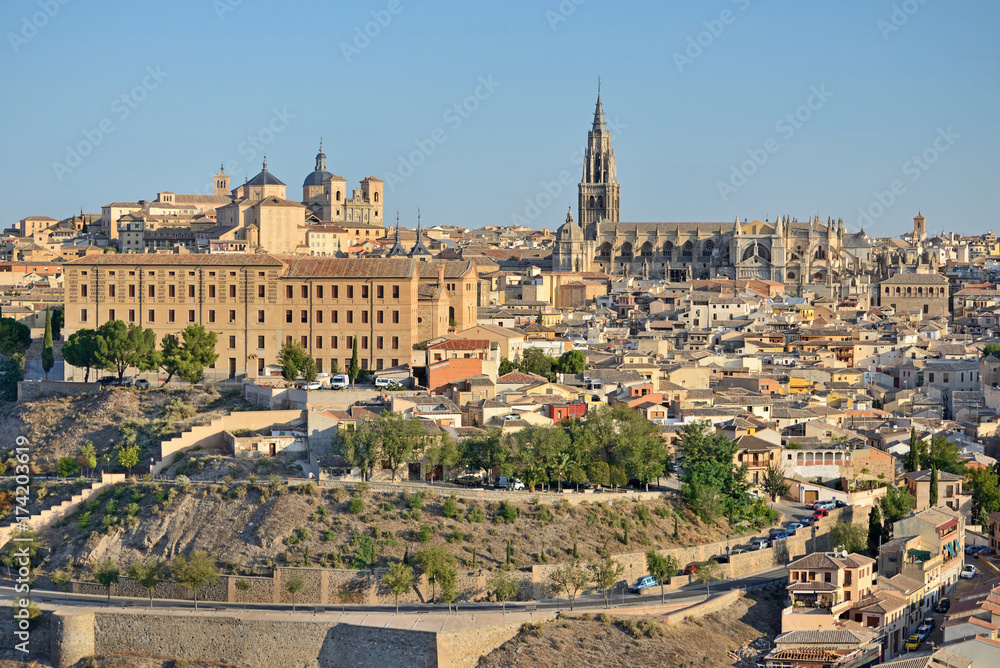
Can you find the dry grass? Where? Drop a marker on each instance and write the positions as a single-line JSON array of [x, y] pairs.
[[605, 641]]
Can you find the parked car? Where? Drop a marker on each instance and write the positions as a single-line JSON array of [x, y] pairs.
[[737, 550], [927, 625], [109, 381], [825, 505], [469, 480], [794, 526], [141, 384], [309, 385], [806, 521], [720, 558], [972, 550], [387, 383], [340, 382], [510, 416], [781, 535], [968, 572], [503, 482], [913, 643], [760, 544], [691, 568], [943, 605], [820, 513], [643, 583], [986, 552], [841, 504], [812, 504]]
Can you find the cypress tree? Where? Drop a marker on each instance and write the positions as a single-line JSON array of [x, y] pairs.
[[48, 354], [934, 486]]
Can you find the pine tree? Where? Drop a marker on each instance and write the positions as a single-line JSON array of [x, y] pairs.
[[48, 354]]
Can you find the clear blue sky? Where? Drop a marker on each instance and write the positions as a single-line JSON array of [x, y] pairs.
[[684, 127]]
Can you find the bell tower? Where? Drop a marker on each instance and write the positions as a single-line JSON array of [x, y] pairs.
[[599, 192], [222, 182]]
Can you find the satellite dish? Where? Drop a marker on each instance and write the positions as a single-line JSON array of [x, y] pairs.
[[845, 553]]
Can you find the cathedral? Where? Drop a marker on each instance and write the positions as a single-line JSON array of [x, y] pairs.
[[819, 255]]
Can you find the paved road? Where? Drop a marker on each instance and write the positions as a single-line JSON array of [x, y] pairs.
[[686, 594]]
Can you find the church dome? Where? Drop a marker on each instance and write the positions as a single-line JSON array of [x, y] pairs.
[[265, 178], [319, 174]]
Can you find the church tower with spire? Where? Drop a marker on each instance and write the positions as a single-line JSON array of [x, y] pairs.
[[599, 192]]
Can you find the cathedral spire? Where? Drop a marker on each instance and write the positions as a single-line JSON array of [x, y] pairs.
[[599, 124]]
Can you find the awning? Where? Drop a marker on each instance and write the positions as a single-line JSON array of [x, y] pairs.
[[922, 555], [949, 549], [955, 548]]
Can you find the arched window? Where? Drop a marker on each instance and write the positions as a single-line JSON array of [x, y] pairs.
[[687, 250], [646, 250], [376, 197], [593, 202], [338, 195], [626, 252], [604, 251], [668, 250], [600, 202], [791, 275], [707, 248], [820, 254]]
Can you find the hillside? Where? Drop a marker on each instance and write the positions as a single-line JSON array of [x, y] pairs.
[[255, 525], [605, 640], [59, 426]]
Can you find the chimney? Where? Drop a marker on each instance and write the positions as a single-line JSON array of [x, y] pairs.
[[441, 275]]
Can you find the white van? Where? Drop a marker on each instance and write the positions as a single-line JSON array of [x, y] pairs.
[[341, 382], [382, 381]]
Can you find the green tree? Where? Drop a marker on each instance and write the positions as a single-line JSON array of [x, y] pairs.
[[399, 580], [294, 361], [896, 504], [944, 456], [443, 451], [389, 438], [58, 320], [15, 337], [148, 574], [106, 573], [66, 467], [194, 572], [503, 586], [128, 456], [605, 574], [80, 350], [572, 362], [335, 368], [88, 457], [662, 568], [599, 473], [569, 579], [243, 586], [11, 373], [934, 486], [534, 360], [708, 571], [912, 459], [849, 536], [874, 530], [293, 586], [774, 484], [355, 368], [985, 487], [188, 359], [120, 346], [711, 482], [437, 565], [449, 586], [483, 451], [506, 366], [48, 352]]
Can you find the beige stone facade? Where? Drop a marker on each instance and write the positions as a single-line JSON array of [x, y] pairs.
[[256, 302]]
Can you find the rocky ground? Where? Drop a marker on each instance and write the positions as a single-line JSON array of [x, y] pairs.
[[120, 661], [256, 525], [733, 637], [59, 426]]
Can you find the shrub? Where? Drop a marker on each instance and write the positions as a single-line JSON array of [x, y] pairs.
[[183, 481], [544, 515], [356, 505], [643, 515], [327, 536], [416, 501], [425, 533], [508, 512], [477, 514], [450, 508]]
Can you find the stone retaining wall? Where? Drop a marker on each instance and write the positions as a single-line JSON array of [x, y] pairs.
[[29, 390]]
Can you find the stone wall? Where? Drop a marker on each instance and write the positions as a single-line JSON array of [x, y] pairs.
[[29, 390], [260, 643]]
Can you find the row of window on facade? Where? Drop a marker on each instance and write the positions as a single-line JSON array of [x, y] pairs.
[[171, 291], [213, 316], [908, 292]]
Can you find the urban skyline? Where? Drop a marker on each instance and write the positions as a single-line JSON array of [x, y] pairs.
[[889, 122]]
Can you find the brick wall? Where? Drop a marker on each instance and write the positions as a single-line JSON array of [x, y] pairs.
[[441, 373]]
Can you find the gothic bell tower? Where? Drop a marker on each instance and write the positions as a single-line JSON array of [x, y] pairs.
[[599, 192]]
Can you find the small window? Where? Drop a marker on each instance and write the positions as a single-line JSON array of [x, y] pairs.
[[334, 317], [319, 317], [336, 291], [304, 316], [83, 315], [152, 315], [319, 292], [395, 292], [191, 291], [211, 316], [211, 292], [350, 317], [260, 317], [288, 292], [305, 292], [350, 292], [260, 342], [232, 342], [232, 316], [288, 316], [152, 291], [111, 314], [395, 317], [260, 291], [170, 315], [380, 291], [232, 291], [364, 317], [111, 290], [191, 316], [364, 292]]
